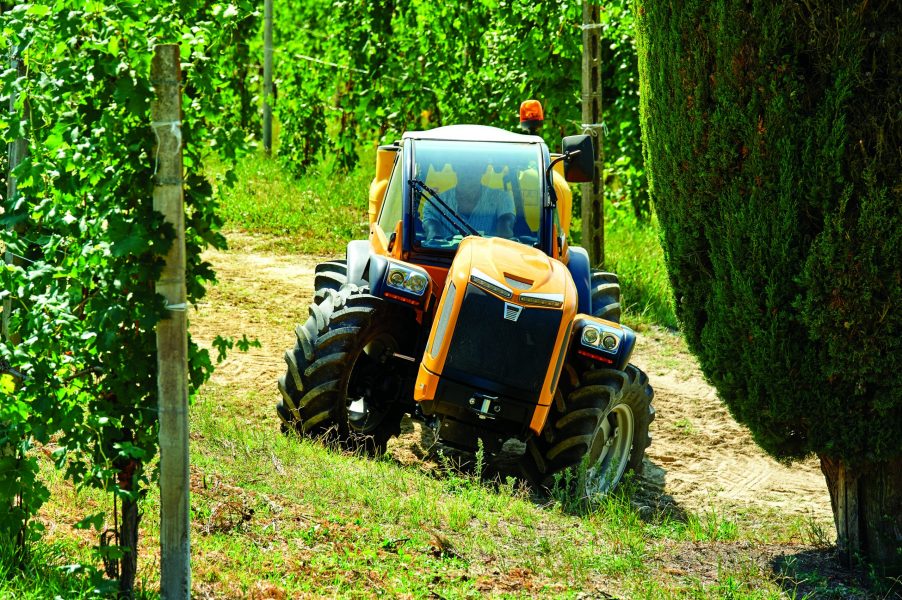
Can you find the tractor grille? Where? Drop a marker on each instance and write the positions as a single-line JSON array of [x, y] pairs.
[[489, 343]]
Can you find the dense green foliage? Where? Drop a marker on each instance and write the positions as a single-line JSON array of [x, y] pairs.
[[86, 240], [352, 71], [772, 135]]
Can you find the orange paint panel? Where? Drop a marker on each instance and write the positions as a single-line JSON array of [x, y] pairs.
[[539, 417], [459, 275], [377, 193], [396, 248], [427, 383], [564, 195], [385, 160], [438, 276]]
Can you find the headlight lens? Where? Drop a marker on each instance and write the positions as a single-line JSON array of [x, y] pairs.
[[396, 277], [596, 337], [490, 286], [406, 279], [416, 283], [548, 300]]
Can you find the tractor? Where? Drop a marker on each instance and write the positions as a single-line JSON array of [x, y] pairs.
[[467, 309]]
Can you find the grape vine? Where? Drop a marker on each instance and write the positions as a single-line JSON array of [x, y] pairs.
[[350, 71], [87, 244]]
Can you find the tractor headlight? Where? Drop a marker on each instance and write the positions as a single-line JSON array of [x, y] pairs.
[[416, 283], [596, 337], [406, 279], [487, 283], [396, 278], [547, 300]]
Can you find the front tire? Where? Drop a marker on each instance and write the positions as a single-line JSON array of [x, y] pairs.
[[341, 381], [598, 421]]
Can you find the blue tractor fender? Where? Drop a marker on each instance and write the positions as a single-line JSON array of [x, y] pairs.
[[358, 258], [581, 272]]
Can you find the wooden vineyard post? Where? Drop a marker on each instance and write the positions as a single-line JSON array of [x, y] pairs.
[[267, 76], [172, 331], [593, 193], [16, 151]]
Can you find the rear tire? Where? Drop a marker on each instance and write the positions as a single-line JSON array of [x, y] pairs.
[[605, 291], [329, 275], [341, 382]]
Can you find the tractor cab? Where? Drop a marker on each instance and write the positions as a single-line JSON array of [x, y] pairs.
[[434, 188]]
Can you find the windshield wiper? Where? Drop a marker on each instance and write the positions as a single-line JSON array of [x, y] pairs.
[[443, 209]]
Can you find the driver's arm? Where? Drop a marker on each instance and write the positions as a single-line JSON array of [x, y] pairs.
[[430, 228], [505, 210], [506, 226]]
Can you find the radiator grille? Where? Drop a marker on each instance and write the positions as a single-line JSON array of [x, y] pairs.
[[491, 343]]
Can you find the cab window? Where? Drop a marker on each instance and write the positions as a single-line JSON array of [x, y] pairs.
[[392, 205], [487, 188]]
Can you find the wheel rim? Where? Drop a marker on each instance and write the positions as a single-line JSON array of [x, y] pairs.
[[610, 452], [372, 385]]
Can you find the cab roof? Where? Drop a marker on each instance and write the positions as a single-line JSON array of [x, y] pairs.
[[473, 133]]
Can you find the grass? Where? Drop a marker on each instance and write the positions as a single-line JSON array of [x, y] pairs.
[[317, 214], [282, 517], [633, 251]]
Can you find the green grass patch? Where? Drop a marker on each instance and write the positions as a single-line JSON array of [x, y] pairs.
[[278, 516], [316, 214], [53, 570], [633, 251]]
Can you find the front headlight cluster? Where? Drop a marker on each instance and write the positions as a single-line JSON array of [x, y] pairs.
[[596, 337], [406, 279]]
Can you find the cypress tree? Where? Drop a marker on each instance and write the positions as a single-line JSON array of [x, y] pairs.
[[773, 144]]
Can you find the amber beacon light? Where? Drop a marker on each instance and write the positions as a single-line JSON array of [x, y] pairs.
[[531, 115]]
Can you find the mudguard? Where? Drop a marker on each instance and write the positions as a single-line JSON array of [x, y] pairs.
[[581, 272], [358, 257]]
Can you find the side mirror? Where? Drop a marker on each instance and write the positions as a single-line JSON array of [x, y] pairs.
[[579, 158]]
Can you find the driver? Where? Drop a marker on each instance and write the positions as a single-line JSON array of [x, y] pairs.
[[488, 210]]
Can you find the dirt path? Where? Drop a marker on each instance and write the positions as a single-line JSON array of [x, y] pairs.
[[699, 456]]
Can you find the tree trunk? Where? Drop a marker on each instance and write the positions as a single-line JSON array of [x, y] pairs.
[[867, 510], [128, 541]]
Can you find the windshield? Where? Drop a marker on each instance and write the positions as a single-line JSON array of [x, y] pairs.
[[475, 188]]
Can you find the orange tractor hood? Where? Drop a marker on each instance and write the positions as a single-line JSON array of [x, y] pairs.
[[518, 267]]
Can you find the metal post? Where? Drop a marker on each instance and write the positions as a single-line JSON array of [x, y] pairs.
[[172, 338], [267, 76], [593, 193]]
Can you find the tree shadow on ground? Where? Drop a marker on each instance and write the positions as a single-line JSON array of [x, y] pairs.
[[802, 572], [821, 573]]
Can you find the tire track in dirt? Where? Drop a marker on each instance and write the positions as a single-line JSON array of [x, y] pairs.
[[699, 455]]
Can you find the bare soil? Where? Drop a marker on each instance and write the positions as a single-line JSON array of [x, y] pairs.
[[700, 461]]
